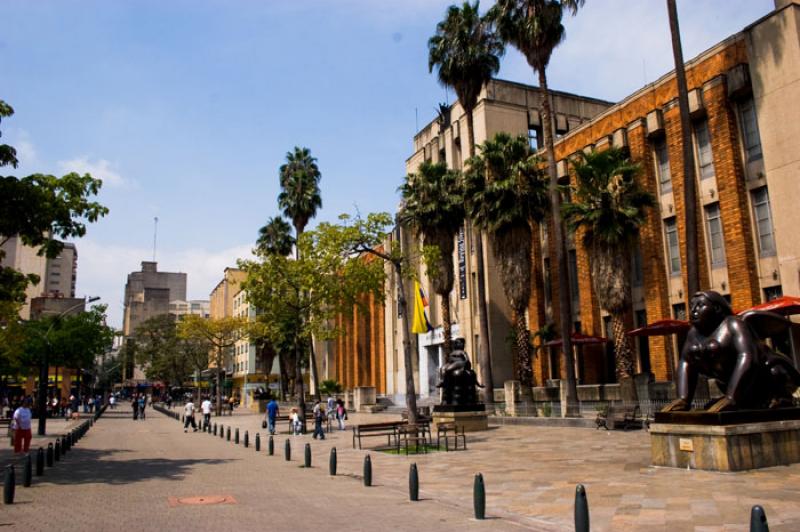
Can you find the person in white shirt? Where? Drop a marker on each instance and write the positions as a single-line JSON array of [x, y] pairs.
[[22, 427], [205, 407], [188, 412]]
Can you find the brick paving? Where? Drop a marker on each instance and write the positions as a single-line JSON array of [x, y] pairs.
[[129, 473]]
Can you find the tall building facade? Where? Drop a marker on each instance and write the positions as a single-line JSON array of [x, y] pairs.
[[222, 305]]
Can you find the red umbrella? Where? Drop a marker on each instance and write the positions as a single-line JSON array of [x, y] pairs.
[[581, 339], [661, 328], [785, 305]]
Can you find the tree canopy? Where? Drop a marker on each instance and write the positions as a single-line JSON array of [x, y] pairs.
[[164, 354]]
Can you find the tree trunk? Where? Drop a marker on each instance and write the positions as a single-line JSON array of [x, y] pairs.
[[299, 387], [523, 341], [219, 381], [689, 182], [623, 355], [411, 392], [564, 299], [314, 374], [447, 327], [484, 349]]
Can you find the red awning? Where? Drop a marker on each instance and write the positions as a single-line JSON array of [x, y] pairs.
[[580, 339], [785, 305], [661, 328]]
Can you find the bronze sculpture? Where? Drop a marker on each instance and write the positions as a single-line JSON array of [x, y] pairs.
[[730, 349], [457, 379]]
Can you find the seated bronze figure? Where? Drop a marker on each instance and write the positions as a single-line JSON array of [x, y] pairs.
[[457, 378], [731, 349]]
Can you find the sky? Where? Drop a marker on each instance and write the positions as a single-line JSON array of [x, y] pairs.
[[187, 108]]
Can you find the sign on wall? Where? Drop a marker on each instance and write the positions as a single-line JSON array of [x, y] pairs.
[[462, 265]]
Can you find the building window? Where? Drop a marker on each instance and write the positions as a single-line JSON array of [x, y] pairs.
[[547, 287], [662, 166], [673, 251], [750, 135], [773, 292], [643, 343], [637, 268], [705, 159], [763, 216], [679, 311], [573, 276], [714, 226], [533, 137]]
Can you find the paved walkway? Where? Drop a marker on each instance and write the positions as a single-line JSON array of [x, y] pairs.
[[127, 474]]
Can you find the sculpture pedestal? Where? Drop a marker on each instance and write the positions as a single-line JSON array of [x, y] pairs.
[[473, 418], [727, 441]]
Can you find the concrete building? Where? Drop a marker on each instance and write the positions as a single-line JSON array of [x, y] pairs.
[[221, 304], [196, 307], [148, 294], [249, 364]]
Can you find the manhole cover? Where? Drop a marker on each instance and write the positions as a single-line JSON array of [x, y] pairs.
[[201, 500]]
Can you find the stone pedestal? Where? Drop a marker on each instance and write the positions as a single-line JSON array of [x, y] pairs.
[[473, 418], [682, 440], [518, 399], [364, 399]]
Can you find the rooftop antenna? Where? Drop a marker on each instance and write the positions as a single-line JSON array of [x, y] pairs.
[[155, 236]]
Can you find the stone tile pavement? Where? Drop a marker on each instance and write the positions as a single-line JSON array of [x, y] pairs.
[[531, 474]]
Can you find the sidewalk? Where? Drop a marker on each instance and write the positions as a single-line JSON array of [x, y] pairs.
[[142, 474], [55, 427], [531, 473]]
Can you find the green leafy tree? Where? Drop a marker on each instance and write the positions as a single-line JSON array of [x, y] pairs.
[[609, 206], [221, 335], [275, 237], [466, 53], [534, 27], [165, 355], [8, 155], [434, 207], [300, 198], [508, 193]]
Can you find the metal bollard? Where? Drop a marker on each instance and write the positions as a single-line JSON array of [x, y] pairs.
[[367, 471], [246, 439], [758, 520], [287, 450], [307, 456], [27, 471], [258, 442], [479, 497], [228, 434], [9, 485], [215, 429], [40, 462], [413, 483], [57, 450], [332, 463], [221, 431], [270, 447], [64, 445], [49, 455], [581, 509], [236, 437], [183, 419]]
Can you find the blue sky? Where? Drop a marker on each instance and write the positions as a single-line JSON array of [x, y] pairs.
[[186, 108]]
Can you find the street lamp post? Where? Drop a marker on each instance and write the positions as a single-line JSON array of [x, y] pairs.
[[44, 368]]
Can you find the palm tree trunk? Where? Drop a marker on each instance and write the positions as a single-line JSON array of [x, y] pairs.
[[689, 185], [447, 327], [524, 372], [314, 374], [298, 386], [411, 392], [564, 298], [623, 359], [484, 349]]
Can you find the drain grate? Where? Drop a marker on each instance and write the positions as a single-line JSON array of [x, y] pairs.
[[202, 500]]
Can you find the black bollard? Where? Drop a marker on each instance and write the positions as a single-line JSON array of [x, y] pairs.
[[57, 450], [758, 520], [479, 497], [307, 456], [64, 445], [228, 434], [221, 431], [581, 509], [183, 419], [27, 471], [287, 450], [270, 447], [40, 462], [332, 463], [413, 483], [49, 455], [367, 471], [9, 485], [246, 439], [258, 442], [236, 438], [215, 429]]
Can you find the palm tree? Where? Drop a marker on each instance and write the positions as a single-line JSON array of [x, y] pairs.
[[689, 187], [434, 206], [534, 28], [466, 52], [300, 198], [275, 237], [508, 193], [609, 205]]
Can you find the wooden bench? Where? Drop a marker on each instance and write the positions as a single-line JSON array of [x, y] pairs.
[[412, 435], [389, 429], [326, 422], [625, 418], [447, 431]]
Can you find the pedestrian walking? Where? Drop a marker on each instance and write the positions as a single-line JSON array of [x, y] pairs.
[[142, 405], [272, 414], [112, 401], [341, 413], [295, 417], [205, 407], [331, 408], [319, 415], [188, 413], [21, 424], [90, 404]]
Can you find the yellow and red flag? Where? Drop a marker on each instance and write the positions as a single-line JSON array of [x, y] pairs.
[[421, 325]]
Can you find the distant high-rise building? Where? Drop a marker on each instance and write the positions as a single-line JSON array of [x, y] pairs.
[[197, 307]]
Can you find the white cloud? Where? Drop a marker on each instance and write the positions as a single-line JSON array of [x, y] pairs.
[[103, 270], [100, 169]]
